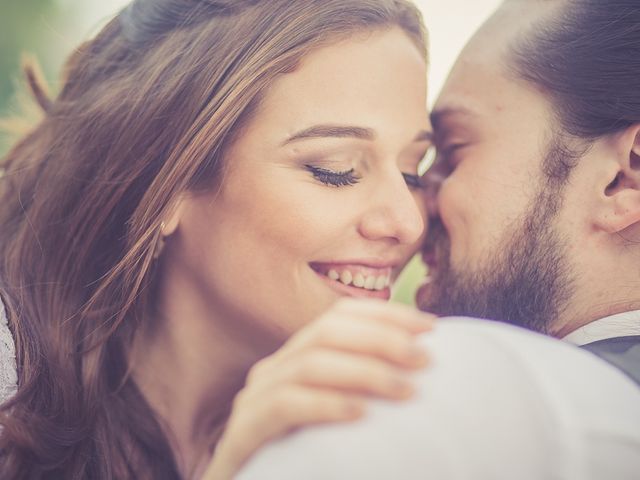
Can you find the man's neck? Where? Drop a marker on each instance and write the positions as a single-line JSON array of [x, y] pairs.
[[605, 284]]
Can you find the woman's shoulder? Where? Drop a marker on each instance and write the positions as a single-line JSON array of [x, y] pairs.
[[8, 369]]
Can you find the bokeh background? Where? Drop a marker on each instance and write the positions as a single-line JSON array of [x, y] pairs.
[[50, 29]]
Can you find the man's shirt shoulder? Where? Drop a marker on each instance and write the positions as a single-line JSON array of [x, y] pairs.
[[497, 402]]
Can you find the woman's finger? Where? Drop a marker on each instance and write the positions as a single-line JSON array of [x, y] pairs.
[[336, 370], [402, 316], [348, 372], [266, 418], [378, 343], [294, 406]]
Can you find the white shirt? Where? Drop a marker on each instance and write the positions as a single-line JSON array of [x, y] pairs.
[[624, 324], [497, 403]]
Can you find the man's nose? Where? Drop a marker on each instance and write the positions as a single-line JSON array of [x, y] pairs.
[[431, 182]]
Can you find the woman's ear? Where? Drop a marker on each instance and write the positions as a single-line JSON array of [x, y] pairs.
[[621, 201], [172, 220]]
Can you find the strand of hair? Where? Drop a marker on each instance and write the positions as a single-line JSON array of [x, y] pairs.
[[36, 82]]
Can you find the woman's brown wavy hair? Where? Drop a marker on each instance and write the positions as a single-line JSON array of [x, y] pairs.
[[147, 109]]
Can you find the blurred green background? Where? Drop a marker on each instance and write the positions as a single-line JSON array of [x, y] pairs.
[[18, 32], [409, 281], [50, 29]]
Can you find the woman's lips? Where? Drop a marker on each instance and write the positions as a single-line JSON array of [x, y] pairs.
[[356, 280]]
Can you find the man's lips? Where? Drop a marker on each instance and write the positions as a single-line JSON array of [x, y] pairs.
[[429, 257]]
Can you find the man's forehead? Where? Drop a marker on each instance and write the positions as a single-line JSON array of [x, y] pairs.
[[477, 97], [472, 90], [488, 96], [510, 24], [482, 79]]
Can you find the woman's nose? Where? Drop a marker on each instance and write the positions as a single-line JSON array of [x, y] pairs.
[[394, 214]]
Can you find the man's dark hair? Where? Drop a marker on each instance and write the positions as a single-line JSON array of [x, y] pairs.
[[587, 60]]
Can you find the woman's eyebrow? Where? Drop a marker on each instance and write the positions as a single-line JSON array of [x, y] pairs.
[[335, 131], [346, 131]]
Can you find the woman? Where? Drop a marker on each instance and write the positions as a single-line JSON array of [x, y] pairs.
[[212, 176]]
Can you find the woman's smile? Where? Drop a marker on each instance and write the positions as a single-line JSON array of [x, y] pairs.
[[358, 279]]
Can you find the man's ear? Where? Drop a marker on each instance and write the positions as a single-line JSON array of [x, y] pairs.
[[622, 184]]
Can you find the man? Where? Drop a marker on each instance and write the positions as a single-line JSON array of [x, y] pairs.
[[537, 224]]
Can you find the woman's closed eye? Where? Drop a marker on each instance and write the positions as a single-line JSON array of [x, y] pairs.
[[413, 181], [332, 178], [350, 177]]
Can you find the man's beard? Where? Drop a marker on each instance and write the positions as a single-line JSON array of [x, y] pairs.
[[526, 283]]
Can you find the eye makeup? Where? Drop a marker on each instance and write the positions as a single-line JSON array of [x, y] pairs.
[[335, 167], [334, 178], [345, 169], [412, 181]]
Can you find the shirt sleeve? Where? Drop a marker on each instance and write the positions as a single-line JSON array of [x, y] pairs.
[[497, 403]]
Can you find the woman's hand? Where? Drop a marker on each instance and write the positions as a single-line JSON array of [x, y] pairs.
[[324, 373]]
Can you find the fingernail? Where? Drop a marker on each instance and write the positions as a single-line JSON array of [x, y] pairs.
[[354, 408], [417, 355], [424, 322], [402, 388]]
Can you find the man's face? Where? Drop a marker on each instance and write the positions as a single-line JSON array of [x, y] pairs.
[[497, 248]]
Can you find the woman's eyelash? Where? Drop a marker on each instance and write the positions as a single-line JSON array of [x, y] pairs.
[[413, 181], [335, 179], [349, 178]]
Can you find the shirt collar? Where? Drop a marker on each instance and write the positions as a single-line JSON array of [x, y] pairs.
[[624, 324]]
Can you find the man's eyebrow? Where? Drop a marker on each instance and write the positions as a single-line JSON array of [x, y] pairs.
[[424, 136], [439, 115], [332, 131]]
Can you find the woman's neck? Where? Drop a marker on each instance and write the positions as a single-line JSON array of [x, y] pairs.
[[189, 365]]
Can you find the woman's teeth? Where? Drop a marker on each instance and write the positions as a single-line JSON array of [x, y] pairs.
[[368, 282]]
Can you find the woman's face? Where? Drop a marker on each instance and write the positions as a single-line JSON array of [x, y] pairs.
[[319, 199]]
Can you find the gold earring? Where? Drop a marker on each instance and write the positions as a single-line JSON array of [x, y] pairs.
[[157, 250]]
